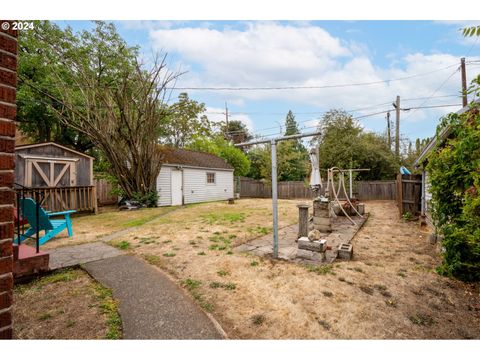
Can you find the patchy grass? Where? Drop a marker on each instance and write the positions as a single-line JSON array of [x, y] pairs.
[[223, 273], [215, 218], [421, 319], [122, 245], [290, 295], [320, 269], [50, 307], [109, 308], [169, 254], [153, 259], [258, 319], [90, 227]]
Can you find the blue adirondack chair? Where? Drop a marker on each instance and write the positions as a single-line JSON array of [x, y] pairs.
[[52, 227]]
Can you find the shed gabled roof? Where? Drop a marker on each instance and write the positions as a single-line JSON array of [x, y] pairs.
[[175, 156], [51, 143]]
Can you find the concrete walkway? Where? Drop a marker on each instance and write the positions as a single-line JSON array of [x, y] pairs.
[[81, 254], [151, 305]]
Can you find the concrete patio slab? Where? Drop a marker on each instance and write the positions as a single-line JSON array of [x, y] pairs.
[[343, 232]]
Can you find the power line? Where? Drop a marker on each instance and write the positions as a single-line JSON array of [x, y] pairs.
[[433, 93], [252, 88], [358, 117]]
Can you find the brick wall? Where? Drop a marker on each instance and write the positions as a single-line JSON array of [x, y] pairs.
[[8, 110]]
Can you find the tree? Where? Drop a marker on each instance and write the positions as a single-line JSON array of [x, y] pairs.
[[186, 120], [414, 152], [291, 126], [344, 144], [224, 149], [36, 64], [101, 90], [236, 131]]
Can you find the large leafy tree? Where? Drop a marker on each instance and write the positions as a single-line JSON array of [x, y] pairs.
[[37, 63], [344, 144], [236, 131], [100, 89], [186, 120]]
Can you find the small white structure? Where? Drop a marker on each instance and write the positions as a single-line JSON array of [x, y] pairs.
[[190, 177]]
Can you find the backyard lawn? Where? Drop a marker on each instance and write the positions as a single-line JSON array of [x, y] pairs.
[[389, 290], [65, 305]]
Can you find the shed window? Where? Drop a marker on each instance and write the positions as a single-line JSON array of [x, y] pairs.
[[210, 178]]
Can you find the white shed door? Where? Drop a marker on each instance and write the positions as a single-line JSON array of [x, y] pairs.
[[177, 191]]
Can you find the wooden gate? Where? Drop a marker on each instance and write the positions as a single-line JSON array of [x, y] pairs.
[[49, 173], [409, 194]]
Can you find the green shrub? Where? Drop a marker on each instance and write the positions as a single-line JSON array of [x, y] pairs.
[[455, 186]]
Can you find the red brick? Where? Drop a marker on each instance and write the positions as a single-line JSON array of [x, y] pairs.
[[8, 77], [6, 179], [7, 128], [8, 112], [7, 146], [6, 283], [8, 44], [10, 31], [6, 231], [6, 334], [8, 61], [7, 94], [6, 266], [7, 197], [6, 248], [5, 319], [6, 300], [6, 214], [6, 162]]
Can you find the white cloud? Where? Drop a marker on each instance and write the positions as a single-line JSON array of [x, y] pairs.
[[271, 54]]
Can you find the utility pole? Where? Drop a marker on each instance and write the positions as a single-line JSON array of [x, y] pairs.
[[397, 127], [389, 139], [464, 82], [227, 134]]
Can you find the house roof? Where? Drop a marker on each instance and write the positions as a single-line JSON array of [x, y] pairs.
[[20, 147], [446, 131], [183, 157]]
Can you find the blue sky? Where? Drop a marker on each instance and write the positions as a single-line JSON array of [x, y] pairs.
[[313, 53]]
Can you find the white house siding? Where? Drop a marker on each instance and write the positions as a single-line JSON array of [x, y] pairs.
[[196, 189], [164, 186], [428, 199]]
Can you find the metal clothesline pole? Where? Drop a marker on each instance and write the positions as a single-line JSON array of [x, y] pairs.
[[273, 143]]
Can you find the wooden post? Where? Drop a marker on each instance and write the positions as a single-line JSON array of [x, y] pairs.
[[94, 199], [397, 127], [400, 194], [302, 220], [464, 82]]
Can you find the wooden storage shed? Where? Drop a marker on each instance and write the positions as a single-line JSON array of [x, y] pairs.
[[63, 175]]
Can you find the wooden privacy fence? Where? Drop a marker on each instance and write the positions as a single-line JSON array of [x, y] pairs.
[[409, 193], [79, 198], [104, 193], [364, 190], [376, 190]]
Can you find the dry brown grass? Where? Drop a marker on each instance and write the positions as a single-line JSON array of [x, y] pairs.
[[389, 290], [65, 305], [88, 228]]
